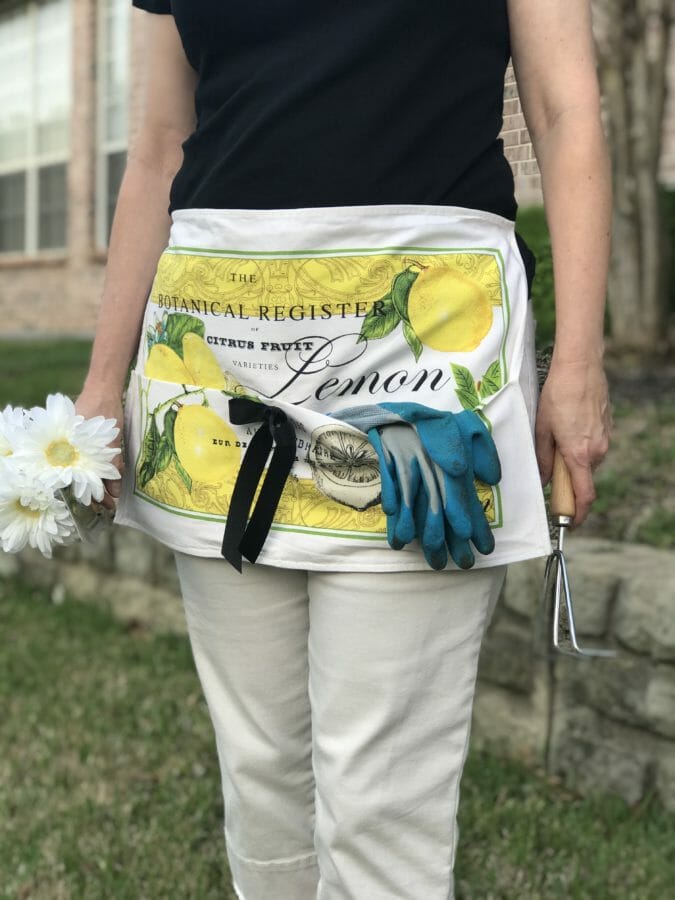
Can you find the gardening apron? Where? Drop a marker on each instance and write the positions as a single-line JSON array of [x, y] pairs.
[[262, 323]]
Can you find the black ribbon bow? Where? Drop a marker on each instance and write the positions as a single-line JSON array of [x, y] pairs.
[[239, 538]]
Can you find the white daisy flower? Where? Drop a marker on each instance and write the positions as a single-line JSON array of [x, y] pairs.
[[62, 448], [30, 513], [12, 424]]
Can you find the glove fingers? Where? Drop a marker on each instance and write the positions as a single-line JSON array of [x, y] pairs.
[[482, 537], [390, 493], [392, 523], [456, 506], [459, 549], [408, 476], [391, 498], [477, 438], [430, 531]]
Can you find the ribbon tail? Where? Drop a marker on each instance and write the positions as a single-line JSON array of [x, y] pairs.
[[252, 467], [261, 520]]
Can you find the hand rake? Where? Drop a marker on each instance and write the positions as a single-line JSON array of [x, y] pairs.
[[562, 514]]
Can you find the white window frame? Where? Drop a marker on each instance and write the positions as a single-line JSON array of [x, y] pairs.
[[32, 162], [104, 146]]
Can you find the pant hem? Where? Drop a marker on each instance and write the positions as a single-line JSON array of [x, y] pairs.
[[282, 864]]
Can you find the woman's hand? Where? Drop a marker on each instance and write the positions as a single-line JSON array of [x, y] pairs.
[[574, 415], [103, 400]]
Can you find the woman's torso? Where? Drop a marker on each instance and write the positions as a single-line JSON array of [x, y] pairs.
[[377, 101]]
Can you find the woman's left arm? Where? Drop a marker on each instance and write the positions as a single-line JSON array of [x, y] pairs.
[[554, 63]]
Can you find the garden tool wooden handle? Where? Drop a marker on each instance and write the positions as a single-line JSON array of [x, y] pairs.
[[562, 493]]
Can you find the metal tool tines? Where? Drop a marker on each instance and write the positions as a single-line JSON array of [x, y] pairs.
[[563, 625]]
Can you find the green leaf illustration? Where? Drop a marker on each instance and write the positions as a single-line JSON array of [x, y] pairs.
[[491, 381], [187, 481], [413, 341], [400, 288], [164, 454], [466, 388], [169, 424], [148, 452], [178, 325], [380, 320]]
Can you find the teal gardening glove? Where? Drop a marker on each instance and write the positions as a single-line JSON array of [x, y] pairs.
[[428, 461]]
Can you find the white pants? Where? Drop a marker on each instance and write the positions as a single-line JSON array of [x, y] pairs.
[[342, 707]]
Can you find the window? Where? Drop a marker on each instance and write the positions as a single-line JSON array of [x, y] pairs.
[[34, 125], [113, 85]]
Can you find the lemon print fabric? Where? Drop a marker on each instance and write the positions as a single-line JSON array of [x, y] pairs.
[[166, 365], [311, 312], [448, 311], [200, 362], [446, 307], [190, 455], [206, 446], [345, 466], [178, 352]]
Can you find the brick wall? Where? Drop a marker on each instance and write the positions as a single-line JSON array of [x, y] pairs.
[[518, 147]]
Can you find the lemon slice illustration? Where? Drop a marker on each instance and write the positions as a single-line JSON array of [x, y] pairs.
[[206, 445], [201, 361], [165, 364], [448, 310], [345, 466]]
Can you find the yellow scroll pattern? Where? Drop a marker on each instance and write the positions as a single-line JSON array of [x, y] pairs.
[[334, 284]]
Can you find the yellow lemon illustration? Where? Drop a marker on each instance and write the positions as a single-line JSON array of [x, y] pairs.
[[165, 364], [201, 362], [448, 310], [206, 445], [345, 466]]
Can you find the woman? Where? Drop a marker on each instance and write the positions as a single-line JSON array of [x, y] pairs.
[[340, 233]]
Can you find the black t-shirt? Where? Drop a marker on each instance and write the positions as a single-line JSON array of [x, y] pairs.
[[304, 103]]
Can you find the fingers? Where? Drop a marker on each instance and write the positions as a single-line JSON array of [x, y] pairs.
[[113, 486], [109, 500], [582, 486], [544, 449]]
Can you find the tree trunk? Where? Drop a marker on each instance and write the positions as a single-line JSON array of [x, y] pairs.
[[632, 42]]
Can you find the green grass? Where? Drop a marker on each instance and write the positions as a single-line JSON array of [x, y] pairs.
[[635, 485], [29, 370], [109, 783], [657, 529], [525, 838], [531, 224]]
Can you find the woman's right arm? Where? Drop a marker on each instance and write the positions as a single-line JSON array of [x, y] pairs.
[[141, 222]]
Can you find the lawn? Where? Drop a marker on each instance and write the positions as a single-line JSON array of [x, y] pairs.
[[31, 369], [110, 789]]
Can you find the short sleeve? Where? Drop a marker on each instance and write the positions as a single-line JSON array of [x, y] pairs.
[[153, 6]]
